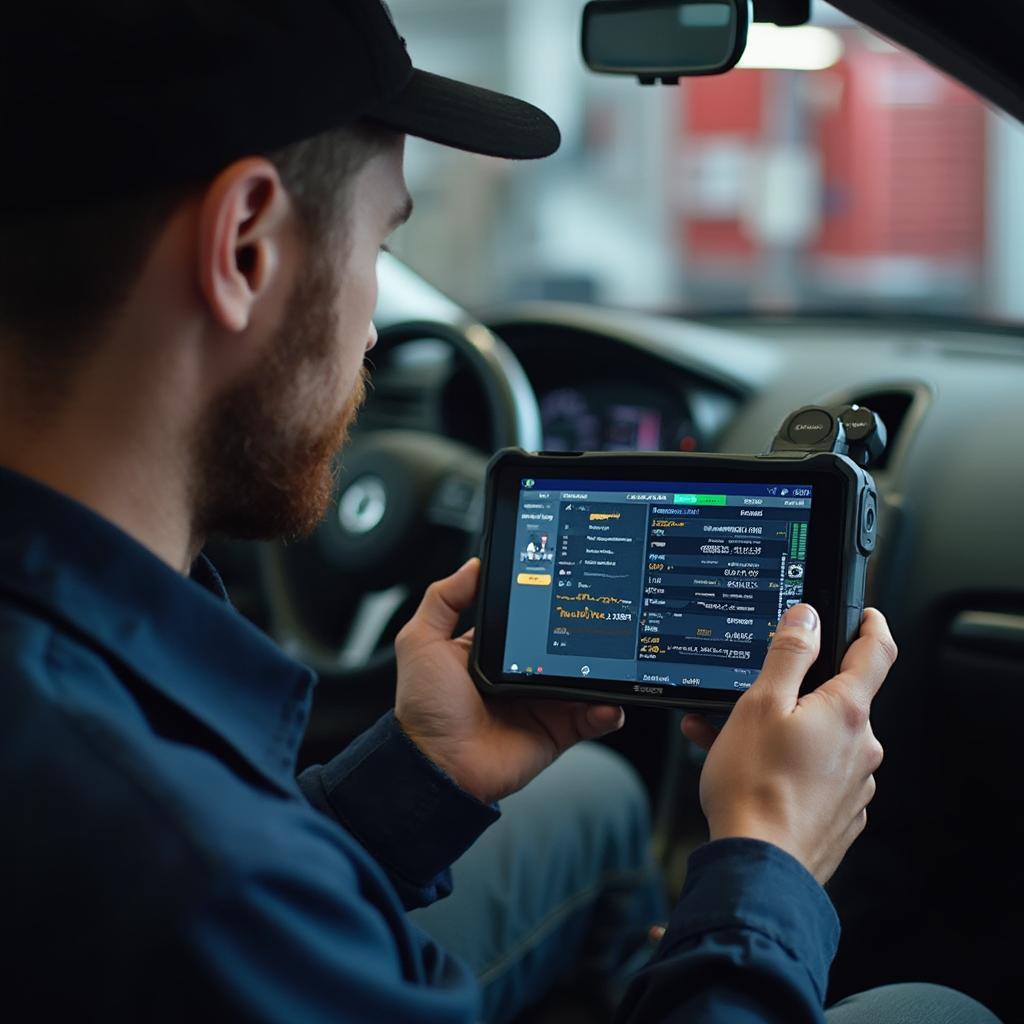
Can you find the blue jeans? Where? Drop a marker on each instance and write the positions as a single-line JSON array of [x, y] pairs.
[[911, 1003], [563, 884], [564, 889]]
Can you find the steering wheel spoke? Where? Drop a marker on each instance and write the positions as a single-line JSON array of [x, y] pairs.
[[373, 615], [458, 502]]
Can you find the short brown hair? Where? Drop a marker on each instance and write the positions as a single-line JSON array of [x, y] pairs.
[[63, 272]]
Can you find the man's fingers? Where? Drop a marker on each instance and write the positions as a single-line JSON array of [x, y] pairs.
[[699, 730], [791, 654], [602, 719], [446, 600], [567, 722], [880, 652], [867, 662]]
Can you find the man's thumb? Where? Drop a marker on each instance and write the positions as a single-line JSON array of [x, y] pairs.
[[447, 599], [791, 654]]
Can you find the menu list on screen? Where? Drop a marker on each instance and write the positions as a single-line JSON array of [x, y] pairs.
[[679, 584]]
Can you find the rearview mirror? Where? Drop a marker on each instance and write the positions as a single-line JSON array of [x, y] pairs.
[[664, 39]]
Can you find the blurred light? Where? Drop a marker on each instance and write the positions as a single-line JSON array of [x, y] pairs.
[[801, 48]]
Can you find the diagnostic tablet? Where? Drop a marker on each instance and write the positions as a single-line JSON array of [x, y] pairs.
[[661, 578]]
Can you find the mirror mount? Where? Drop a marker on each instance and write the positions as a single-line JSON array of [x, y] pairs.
[[654, 79], [784, 13]]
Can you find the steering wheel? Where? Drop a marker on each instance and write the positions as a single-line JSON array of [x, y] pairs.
[[407, 509]]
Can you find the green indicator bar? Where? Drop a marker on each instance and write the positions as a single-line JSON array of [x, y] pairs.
[[699, 499]]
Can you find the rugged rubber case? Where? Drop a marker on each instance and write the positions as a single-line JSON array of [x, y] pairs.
[[855, 535]]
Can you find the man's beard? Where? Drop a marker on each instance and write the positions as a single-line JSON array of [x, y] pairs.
[[258, 475]]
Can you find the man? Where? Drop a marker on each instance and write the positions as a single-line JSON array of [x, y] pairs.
[[191, 206]]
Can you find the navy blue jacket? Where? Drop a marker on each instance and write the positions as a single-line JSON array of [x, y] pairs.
[[162, 861]]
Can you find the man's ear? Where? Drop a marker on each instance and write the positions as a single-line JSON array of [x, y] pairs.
[[242, 225]]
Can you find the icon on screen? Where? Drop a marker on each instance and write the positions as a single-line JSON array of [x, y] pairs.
[[785, 491], [585, 670], [514, 668], [529, 483], [773, 490]]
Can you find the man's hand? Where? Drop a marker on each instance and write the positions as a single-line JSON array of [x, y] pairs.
[[491, 748], [798, 771]]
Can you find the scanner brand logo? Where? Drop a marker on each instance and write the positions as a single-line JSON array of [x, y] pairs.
[[649, 689]]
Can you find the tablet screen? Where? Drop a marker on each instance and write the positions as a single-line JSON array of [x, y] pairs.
[[667, 584]]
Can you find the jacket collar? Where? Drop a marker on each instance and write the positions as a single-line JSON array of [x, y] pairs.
[[179, 635]]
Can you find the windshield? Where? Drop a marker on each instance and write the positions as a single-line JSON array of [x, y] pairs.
[[871, 183]]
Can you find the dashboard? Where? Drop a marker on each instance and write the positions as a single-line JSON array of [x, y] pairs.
[[619, 381]]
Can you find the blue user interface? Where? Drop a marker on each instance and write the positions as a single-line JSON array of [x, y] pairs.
[[668, 584]]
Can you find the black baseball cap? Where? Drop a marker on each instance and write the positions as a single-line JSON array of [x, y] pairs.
[[103, 97]]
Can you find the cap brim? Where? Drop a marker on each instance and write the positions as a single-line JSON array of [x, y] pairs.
[[467, 117]]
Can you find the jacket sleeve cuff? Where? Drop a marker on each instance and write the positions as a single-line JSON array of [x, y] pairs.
[[409, 815], [749, 884]]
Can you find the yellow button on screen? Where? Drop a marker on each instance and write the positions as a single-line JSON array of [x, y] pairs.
[[534, 579]]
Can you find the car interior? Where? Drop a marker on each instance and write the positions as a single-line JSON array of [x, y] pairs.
[[839, 219]]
